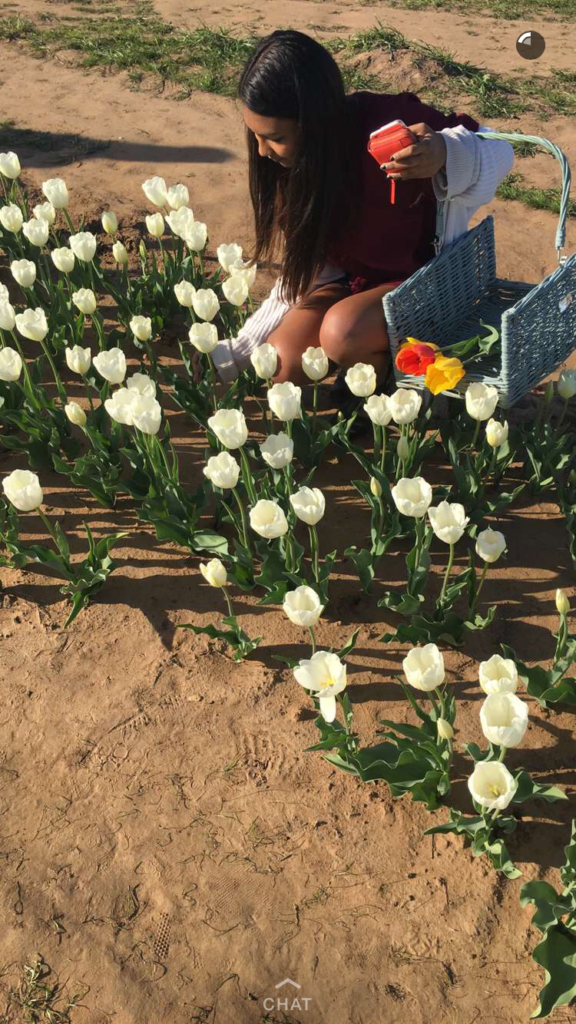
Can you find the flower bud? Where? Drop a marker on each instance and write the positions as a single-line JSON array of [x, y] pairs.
[[45, 211], [63, 259], [23, 272], [155, 225], [562, 602], [119, 253], [23, 489], [85, 301], [214, 572], [56, 192], [11, 218], [142, 250], [496, 433], [110, 222], [403, 448], [83, 245], [75, 414], [9, 165], [185, 292], [375, 487], [567, 384], [141, 327], [445, 730]]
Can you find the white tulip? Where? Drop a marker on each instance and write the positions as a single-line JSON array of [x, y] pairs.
[[85, 301], [120, 253], [285, 400], [75, 414], [567, 384], [481, 401], [268, 520], [155, 191], [205, 303], [7, 316], [184, 292], [214, 572], [302, 606], [562, 602], [492, 786], [403, 448], [228, 255], [155, 225], [109, 222], [424, 667], [11, 218], [56, 192], [325, 676], [230, 427], [277, 450], [45, 211], [490, 544], [309, 504], [315, 363], [141, 327], [32, 324], [63, 259], [142, 385], [204, 337], [196, 236], [23, 272], [264, 359], [378, 409], [78, 359], [178, 196], [181, 221], [222, 470], [412, 496], [496, 433], [9, 165], [146, 413], [83, 245], [23, 489], [243, 270], [444, 729], [235, 290], [448, 521], [111, 365], [10, 364], [504, 719], [405, 405], [119, 406], [498, 675], [361, 379]]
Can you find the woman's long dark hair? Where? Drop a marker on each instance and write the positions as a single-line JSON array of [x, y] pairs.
[[290, 75]]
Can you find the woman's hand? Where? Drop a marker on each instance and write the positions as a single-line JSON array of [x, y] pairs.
[[423, 159]]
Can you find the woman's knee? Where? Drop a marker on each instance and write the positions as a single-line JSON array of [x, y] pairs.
[[339, 336]]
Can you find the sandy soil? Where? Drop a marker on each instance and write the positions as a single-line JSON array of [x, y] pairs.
[[166, 844]]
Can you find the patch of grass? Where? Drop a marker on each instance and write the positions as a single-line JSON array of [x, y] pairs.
[[35, 998], [537, 198], [493, 93], [380, 38], [507, 9]]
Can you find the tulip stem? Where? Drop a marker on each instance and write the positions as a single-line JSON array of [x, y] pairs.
[[502, 753], [447, 574], [26, 372], [59, 384], [212, 380], [88, 395], [312, 639], [562, 637], [475, 435], [314, 408], [97, 322], [69, 221], [383, 455], [247, 476], [315, 553], [228, 602], [482, 578], [243, 521], [562, 414]]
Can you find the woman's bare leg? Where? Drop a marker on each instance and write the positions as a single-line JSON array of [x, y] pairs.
[[354, 331], [300, 328]]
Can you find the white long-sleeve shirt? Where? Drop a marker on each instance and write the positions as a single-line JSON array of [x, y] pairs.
[[473, 170]]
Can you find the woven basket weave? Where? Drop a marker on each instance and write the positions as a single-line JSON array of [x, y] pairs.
[[445, 301]]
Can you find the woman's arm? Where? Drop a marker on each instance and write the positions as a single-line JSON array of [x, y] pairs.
[[474, 167]]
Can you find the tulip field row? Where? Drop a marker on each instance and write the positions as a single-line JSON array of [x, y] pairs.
[[75, 317]]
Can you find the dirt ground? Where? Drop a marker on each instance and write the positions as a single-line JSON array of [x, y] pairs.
[[166, 845]]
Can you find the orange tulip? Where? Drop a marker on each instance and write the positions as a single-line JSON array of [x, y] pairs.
[[416, 356], [443, 374]]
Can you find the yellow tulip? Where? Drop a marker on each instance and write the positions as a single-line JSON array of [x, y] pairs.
[[443, 374]]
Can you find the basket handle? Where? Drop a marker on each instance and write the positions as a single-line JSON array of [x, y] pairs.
[[566, 177]]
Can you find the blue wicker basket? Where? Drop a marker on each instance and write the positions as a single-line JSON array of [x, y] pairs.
[[445, 301]]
